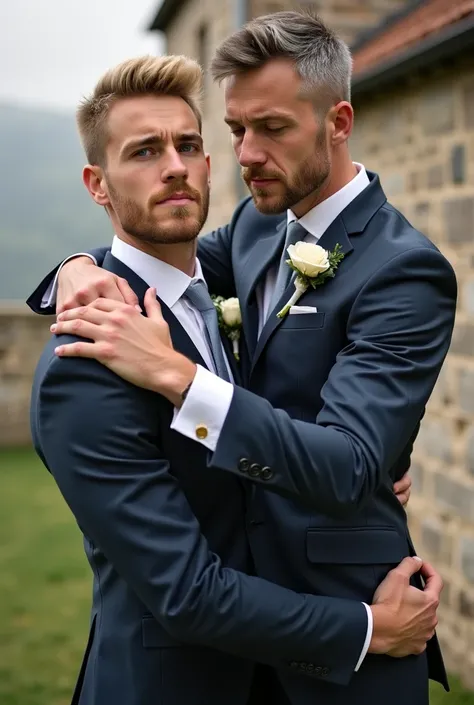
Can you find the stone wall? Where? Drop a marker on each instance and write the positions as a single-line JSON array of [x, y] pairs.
[[420, 139], [22, 337]]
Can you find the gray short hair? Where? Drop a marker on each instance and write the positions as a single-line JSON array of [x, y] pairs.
[[322, 59]]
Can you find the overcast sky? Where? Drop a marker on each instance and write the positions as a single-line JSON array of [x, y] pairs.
[[53, 51]]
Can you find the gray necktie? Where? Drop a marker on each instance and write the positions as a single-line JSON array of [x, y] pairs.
[[294, 233], [198, 295]]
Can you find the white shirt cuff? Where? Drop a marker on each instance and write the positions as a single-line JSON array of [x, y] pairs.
[[205, 409], [49, 296], [368, 638]]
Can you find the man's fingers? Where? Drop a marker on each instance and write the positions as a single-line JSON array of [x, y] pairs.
[[77, 327], [433, 580], [152, 305], [129, 296], [80, 349], [408, 567], [84, 313], [403, 485]]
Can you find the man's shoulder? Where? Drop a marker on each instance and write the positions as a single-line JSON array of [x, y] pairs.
[[394, 234]]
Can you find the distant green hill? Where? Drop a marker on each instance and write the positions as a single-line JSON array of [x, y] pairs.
[[45, 211]]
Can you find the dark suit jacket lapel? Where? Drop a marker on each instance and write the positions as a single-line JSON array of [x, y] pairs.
[[351, 221], [267, 251], [181, 340]]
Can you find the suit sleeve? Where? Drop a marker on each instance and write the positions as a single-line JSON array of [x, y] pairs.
[[35, 299], [99, 440], [398, 331]]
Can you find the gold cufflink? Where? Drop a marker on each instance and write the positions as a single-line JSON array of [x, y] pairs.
[[201, 431]]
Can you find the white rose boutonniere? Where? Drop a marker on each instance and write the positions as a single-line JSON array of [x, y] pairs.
[[313, 266], [230, 319]]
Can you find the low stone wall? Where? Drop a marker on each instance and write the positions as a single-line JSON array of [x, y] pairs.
[[22, 337]]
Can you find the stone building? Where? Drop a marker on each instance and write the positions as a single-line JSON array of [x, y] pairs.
[[413, 93]]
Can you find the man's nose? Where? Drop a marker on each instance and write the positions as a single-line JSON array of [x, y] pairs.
[[250, 152], [174, 168]]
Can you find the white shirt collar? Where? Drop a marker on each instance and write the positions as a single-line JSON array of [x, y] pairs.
[[170, 283], [318, 219]]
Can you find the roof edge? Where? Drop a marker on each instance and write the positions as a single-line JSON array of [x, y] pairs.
[[436, 47], [165, 14]]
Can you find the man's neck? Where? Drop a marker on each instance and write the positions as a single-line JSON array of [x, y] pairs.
[[337, 179], [181, 255]]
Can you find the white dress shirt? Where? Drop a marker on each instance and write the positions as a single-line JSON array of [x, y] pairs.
[[209, 398]]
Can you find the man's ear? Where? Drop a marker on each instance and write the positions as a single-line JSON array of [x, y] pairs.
[[341, 117], [208, 162], [93, 178]]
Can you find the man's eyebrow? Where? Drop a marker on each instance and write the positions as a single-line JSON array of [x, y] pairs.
[[260, 118], [143, 142]]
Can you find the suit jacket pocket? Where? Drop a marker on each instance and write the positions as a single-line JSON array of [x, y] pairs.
[[352, 562], [155, 637], [356, 545], [303, 320]]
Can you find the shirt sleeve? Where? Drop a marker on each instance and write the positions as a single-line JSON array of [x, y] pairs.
[[205, 408], [368, 637], [49, 296]]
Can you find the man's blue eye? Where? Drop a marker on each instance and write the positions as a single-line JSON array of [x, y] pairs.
[[188, 147], [142, 152]]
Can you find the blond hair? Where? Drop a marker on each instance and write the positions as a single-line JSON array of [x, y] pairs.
[[322, 59], [146, 75]]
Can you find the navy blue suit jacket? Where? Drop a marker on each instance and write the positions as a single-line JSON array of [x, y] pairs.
[[164, 536], [337, 397]]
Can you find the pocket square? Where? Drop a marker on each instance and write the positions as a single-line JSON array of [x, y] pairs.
[[302, 309]]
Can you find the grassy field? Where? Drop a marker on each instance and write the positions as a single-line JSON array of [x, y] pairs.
[[45, 590]]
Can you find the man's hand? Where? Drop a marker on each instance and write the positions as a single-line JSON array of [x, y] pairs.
[[136, 348], [402, 489], [405, 617], [80, 283]]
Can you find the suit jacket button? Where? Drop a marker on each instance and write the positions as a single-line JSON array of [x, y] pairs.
[[318, 671], [267, 473], [294, 664], [325, 671], [310, 667], [255, 470], [244, 465]]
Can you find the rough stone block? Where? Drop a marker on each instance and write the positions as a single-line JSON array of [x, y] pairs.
[[435, 176], [431, 536], [468, 104], [435, 440], [462, 343], [466, 389], [468, 297], [436, 112], [467, 557], [455, 496], [458, 164], [466, 604], [459, 220]]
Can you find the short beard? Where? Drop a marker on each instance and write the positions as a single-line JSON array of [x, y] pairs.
[[311, 177], [144, 228]]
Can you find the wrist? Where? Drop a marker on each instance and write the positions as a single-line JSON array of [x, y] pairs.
[[176, 378], [383, 631]]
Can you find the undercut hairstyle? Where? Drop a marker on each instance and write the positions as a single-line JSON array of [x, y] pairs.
[[322, 59], [177, 76]]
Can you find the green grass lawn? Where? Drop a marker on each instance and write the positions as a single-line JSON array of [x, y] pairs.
[[45, 590]]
